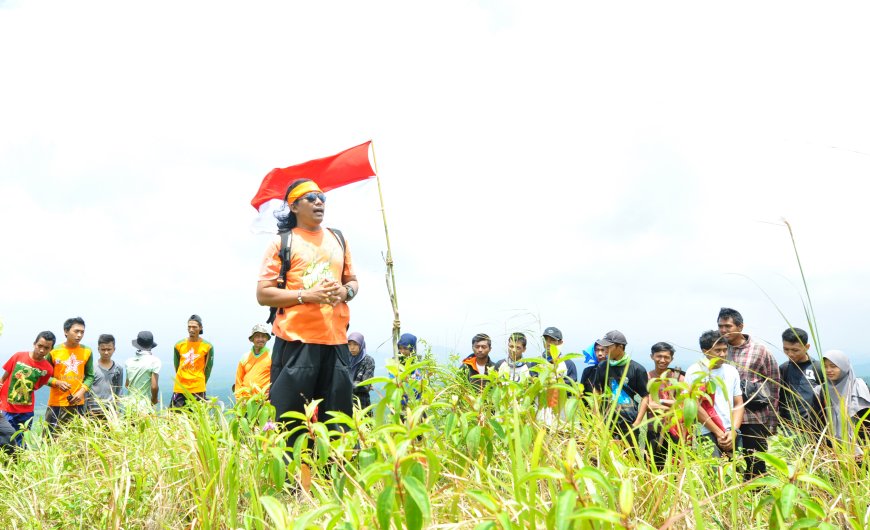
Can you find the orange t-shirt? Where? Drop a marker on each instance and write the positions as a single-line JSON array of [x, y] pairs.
[[254, 374], [69, 366], [313, 257], [193, 357]]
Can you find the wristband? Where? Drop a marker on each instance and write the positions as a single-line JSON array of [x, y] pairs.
[[299, 298]]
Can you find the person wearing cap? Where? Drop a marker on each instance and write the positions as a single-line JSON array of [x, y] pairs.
[[253, 375], [552, 341], [624, 381], [759, 377], [362, 368], [310, 358], [193, 358], [478, 363], [142, 372]]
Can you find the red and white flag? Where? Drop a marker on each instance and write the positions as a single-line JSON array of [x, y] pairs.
[[351, 165]]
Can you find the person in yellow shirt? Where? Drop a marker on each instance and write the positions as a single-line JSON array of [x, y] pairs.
[[253, 376], [193, 358], [73, 375]]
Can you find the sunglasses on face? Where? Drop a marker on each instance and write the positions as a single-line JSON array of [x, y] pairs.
[[313, 196]]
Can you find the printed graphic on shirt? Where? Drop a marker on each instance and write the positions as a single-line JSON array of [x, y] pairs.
[[190, 357], [22, 380], [315, 273], [619, 394], [72, 363], [811, 374]]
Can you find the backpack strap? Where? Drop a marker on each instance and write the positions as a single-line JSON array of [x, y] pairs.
[[284, 256], [338, 235]]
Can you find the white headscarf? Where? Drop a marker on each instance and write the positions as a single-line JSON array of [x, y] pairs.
[[848, 389]]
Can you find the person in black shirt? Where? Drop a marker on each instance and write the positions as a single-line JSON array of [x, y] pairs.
[[624, 382], [800, 406]]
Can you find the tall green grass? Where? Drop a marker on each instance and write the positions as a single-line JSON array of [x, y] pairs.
[[451, 457]]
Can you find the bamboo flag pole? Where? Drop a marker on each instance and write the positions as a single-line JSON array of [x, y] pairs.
[[390, 275]]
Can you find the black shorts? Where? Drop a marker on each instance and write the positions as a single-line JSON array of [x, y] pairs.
[[304, 372]]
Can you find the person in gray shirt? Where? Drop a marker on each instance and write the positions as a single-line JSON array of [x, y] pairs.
[[108, 379]]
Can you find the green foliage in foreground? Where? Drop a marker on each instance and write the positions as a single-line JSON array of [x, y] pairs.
[[450, 458]]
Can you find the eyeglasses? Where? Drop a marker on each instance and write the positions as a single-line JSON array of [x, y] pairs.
[[313, 196]]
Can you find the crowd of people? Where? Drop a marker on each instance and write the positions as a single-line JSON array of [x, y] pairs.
[[81, 383], [742, 395]]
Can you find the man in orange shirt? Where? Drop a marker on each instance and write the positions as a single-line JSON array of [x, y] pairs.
[[253, 376], [193, 358], [311, 358], [73, 375]]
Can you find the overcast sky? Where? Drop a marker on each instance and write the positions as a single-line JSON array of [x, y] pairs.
[[589, 166]]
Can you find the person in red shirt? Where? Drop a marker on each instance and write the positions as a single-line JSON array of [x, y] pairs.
[[24, 373]]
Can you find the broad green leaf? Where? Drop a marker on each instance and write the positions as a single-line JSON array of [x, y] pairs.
[[564, 508], [774, 461], [536, 450], [486, 525], [763, 482], [597, 477], [276, 511], [322, 447], [542, 473], [385, 506], [598, 514], [814, 508], [801, 524], [485, 499], [472, 441], [690, 412], [786, 500], [816, 481], [417, 491], [497, 428], [434, 464], [413, 514], [626, 497]]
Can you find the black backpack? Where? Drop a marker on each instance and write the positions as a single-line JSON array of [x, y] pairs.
[[284, 256]]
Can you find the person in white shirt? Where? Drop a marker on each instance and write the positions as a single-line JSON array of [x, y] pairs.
[[720, 409]]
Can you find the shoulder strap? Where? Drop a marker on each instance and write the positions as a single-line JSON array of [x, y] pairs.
[[284, 256], [338, 235]]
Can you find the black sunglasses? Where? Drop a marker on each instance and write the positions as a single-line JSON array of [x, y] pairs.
[[313, 196]]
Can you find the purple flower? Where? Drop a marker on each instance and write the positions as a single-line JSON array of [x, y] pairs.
[[270, 426]]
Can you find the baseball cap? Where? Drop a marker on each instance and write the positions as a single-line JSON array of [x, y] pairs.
[[612, 337], [553, 333]]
